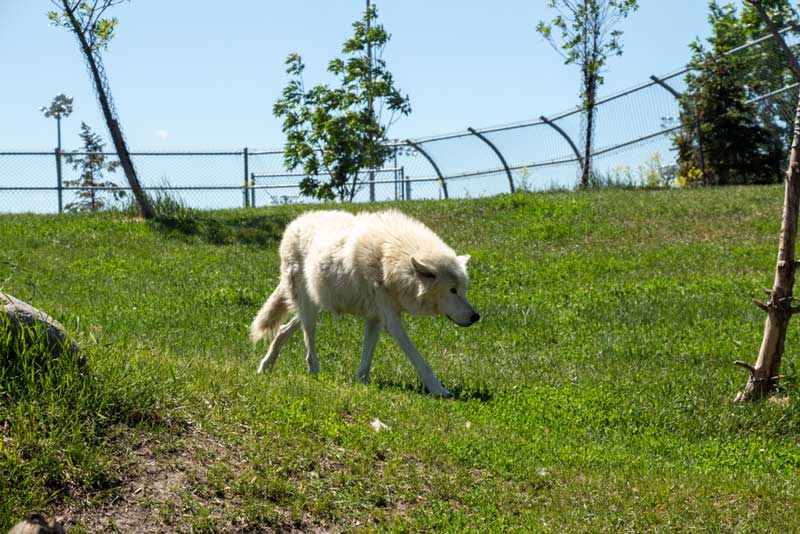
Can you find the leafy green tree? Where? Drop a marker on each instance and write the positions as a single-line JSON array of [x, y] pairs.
[[587, 37], [93, 32], [339, 131], [92, 163], [766, 70], [726, 139]]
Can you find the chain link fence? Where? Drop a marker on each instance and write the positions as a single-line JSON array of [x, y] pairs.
[[633, 137]]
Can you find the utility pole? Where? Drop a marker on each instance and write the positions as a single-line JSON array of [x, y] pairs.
[[61, 107]]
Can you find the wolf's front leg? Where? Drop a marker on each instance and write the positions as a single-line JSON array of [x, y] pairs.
[[372, 331], [394, 326]]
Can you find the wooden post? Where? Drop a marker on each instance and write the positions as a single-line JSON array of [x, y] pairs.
[[764, 374]]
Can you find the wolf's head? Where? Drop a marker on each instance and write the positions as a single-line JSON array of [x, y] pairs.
[[443, 284]]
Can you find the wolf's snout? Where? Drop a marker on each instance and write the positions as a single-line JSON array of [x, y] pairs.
[[474, 318]]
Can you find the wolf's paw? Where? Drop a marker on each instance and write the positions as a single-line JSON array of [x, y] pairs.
[[441, 392], [362, 377]]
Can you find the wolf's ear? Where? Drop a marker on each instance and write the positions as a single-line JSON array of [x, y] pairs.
[[463, 260], [423, 270]]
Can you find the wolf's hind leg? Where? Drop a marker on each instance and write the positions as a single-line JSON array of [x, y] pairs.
[[283, 335], [372, 331], [308, 318], [307, 314]]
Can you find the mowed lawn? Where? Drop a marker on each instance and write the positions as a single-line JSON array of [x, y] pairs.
[[595, 394]]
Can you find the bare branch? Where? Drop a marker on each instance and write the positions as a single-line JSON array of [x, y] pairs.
[[746, 365], [64, 4], [763, 305], [793, 64]]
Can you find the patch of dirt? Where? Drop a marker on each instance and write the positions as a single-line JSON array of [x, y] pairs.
[[165, 487]]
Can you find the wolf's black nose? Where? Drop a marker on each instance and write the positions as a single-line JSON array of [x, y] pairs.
[[475, 317]]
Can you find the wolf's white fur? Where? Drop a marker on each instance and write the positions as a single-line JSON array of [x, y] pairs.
[[374, 265]]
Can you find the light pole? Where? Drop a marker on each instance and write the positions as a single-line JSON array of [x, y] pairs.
[[370, 104], [60, 107]]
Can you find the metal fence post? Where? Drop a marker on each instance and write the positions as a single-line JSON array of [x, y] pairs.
[[372, 186], [563, 134], [483, 138], [59, 186], [246, 177], [427, 156], [407, 182], [697, 124], [252, 190]]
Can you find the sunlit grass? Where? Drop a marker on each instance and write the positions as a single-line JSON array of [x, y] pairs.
[[594, 394]]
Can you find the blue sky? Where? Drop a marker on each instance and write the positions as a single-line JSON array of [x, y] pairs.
[[194, 74]]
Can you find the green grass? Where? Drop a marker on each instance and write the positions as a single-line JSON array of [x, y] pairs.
[[594, 394]]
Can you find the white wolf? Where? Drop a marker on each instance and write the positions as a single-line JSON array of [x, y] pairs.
[[374, 265]]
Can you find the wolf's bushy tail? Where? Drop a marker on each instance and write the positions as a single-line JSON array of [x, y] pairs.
[[271, 314]]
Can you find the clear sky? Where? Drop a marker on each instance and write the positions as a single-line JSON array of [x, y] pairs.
[[197, 74]]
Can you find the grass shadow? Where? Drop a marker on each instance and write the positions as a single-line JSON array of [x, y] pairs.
[[460, 392], [218, 228]]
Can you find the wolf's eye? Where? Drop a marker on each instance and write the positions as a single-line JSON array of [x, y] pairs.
[[453, 290]]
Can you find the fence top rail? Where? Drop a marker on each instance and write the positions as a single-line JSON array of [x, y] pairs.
[[774, 93], [165, 153], [27, 153], [442, 137], [126, 188], [295, 174], [144, 153], [604, 100], [271, 152], [295, 186], [558, 116], [188, 153], [104, 153]]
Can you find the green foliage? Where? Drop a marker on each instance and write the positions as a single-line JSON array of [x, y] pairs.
[[99, 31], [769, 71], [92, 163], [726, 139], [340, 131]]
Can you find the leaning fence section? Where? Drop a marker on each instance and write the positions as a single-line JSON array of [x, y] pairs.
[[633, 138]]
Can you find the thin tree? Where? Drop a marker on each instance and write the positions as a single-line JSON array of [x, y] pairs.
[[764, 374], [92, 164], [93, 32], [587, 38], [341, 131]]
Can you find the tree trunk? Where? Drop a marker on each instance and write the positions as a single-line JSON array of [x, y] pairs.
[[764, 374], [113, 126], [586, 166]]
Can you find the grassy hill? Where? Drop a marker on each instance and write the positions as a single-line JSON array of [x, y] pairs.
[[594, 394]]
